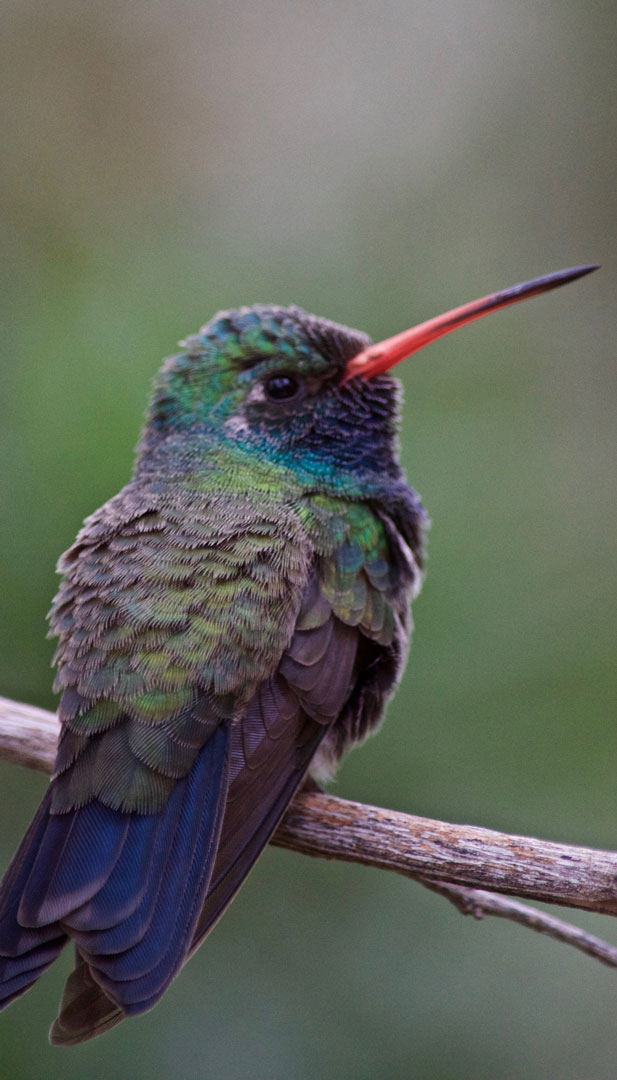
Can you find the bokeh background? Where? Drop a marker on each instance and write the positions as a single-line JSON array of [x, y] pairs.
[[375, 161]]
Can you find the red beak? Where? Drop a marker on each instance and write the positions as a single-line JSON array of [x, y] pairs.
[[377, 359]]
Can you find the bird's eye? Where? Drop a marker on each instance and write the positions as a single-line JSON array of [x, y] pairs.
[[282, 387]]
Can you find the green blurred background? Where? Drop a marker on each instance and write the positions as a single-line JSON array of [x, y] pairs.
[[375, 162]]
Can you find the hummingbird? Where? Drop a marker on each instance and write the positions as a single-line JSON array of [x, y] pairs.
[[228, 626]]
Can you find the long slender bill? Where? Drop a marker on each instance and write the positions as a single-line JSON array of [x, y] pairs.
[[377, 359]]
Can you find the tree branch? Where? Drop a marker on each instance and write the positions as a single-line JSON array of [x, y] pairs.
[[478, 903], [459, 862], [28, 735]]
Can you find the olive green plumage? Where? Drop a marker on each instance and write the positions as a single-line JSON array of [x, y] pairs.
[[241, 610], [196, 591]]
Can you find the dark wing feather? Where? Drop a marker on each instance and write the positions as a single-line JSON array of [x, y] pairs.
[[258, 800], [278, 738]]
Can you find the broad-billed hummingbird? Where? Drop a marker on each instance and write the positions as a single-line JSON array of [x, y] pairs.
[[230, 623]]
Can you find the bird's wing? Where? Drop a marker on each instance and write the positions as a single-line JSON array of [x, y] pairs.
[[272, 744], [171, 614], [348, 647], [202, 662]]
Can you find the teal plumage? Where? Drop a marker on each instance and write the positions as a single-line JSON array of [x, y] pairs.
[[239, 613]]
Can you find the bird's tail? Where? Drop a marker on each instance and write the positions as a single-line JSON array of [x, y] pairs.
[[85, 1009], [25, 951], [127, 888]]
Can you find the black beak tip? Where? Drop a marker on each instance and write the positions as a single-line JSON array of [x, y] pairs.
[[580, 271]]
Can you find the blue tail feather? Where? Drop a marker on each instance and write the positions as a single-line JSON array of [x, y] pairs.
[[141, 973], [126, 887], [18, 973], [123, 935], [124, 890], [15, 879], [69, 868], [24, 952]]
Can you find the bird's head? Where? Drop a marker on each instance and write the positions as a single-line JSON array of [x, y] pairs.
[[297, 389], [271, 380]]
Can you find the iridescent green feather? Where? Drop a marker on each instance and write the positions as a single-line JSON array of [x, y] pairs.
[[204, 600]]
